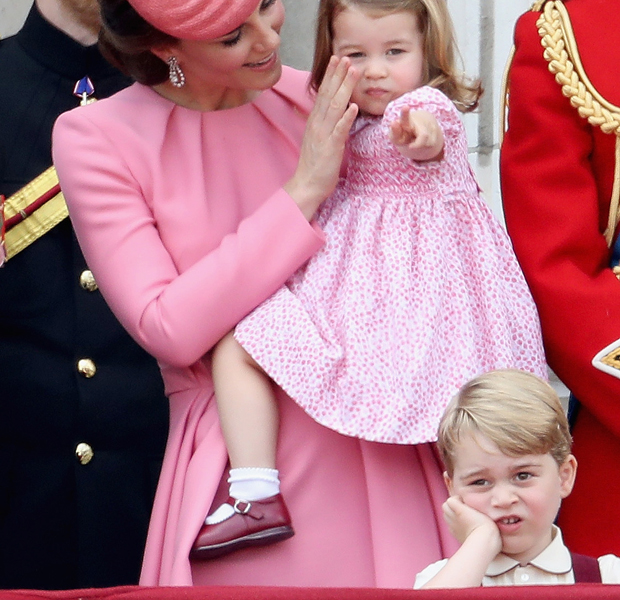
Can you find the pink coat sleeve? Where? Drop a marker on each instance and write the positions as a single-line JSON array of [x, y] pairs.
[[176, 316]]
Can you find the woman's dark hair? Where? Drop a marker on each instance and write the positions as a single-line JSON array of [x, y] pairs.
[[126, 40]]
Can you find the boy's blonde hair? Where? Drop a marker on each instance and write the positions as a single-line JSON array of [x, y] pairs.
[[439, 45], [516, 410]]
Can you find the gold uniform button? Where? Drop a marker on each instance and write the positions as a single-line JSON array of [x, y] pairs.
[[87, 281], [86, 367], [84, 453]]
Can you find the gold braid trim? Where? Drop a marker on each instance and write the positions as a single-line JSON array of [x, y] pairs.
[[558, 40], [39, 222]]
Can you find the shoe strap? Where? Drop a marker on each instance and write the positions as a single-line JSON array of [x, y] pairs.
[[243, 507]]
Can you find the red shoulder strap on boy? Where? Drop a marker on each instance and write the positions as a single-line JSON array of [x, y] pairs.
[[585, 569]]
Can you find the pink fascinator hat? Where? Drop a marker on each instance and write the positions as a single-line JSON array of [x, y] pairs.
[[195, 19]]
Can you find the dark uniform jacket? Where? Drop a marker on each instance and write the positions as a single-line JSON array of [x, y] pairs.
[[65, 524], [557, 167]]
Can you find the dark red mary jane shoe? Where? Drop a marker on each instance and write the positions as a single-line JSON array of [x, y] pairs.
[[256, 523]]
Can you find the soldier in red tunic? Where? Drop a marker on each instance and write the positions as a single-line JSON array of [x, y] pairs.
[[560, 172]]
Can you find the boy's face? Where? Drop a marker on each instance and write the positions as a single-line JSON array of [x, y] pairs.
[[521, 494]]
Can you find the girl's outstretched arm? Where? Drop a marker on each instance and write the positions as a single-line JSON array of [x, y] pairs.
[[417, 135]]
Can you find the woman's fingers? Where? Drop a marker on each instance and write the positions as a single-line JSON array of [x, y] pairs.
[[324, 141], [332, 80], [335, 91], [343, 127], [345, 79], [331, 119]]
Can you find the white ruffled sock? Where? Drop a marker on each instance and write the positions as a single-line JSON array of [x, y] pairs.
[[247, 483]]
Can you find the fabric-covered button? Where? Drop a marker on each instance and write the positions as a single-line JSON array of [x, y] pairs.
[[86, 367], [87, 281], [84, 453]]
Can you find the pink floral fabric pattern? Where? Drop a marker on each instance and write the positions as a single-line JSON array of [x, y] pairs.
[[416, 290]]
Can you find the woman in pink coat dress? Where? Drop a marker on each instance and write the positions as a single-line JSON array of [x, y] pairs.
[[193, 194]]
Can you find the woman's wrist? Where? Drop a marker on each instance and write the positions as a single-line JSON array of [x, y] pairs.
[[307, 201]]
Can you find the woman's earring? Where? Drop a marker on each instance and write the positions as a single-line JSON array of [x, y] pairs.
[[175, 74]]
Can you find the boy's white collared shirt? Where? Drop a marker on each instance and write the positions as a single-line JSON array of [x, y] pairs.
[[553, 566]]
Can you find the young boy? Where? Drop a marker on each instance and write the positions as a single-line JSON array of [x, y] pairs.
[[505, 443]]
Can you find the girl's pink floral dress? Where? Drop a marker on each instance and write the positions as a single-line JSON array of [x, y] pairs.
[[416, 291]]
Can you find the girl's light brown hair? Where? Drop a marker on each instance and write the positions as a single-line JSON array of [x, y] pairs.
[[517, 411], [439, 45]]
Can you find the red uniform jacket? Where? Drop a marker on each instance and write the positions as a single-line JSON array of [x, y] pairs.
[[557, 173]]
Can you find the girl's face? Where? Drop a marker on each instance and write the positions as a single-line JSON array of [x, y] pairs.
[[223, 71], [388, 51]]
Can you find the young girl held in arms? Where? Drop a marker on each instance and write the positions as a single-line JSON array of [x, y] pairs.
[[416, 290]]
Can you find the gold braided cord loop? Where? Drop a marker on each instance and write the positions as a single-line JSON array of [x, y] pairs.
[[558, 40], [561, 52]]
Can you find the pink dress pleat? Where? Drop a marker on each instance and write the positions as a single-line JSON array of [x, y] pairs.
[[365, 514]]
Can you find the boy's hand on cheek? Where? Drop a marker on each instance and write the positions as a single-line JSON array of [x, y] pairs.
[[480, 544], [464, 520]]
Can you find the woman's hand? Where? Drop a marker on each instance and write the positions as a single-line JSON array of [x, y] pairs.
[[324, 140], [417, 135]]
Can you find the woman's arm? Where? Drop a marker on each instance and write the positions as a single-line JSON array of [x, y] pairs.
[[176, 316]]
